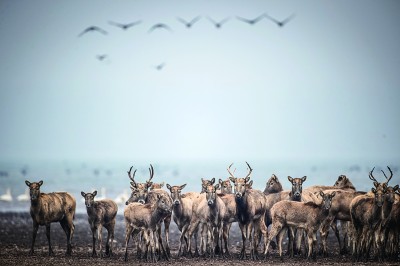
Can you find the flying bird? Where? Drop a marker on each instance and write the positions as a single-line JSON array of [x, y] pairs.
[[124, 26], [190, 23], [218, 24], [280, 23], [93, 28], [101, 57], [160, 26], [160, 66], [251, 21]]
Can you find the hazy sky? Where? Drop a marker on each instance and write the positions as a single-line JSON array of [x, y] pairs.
[[325, 86]]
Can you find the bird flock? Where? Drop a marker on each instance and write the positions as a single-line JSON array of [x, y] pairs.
[[188, 23]]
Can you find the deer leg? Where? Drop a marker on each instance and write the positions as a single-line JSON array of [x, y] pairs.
[[99, 239], [51, 253], [225, 236], [167, 222], [243, 251], [128, 232], [111, 230], [34, 233], [182, 238], [165, 253], [281, 233], [107, 253]]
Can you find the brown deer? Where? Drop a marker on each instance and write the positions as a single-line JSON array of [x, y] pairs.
[[307, 216], [340, 210], [156, 186], [273, 185], [251, 208], [182, 213], [210, 211], [226, 187], [145, 217], [343, 182], [101, 213], [140, 193], [47, 208], [366, 216]]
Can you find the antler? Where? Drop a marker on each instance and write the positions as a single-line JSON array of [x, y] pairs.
[[371, 176], [229, 170], [250, 170], [151, 170], [391, 175], [131, 177]]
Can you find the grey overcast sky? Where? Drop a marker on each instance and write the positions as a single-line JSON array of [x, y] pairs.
[[324, 86]]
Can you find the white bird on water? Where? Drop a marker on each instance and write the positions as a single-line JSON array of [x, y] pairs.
[[25, 196], [6, 197]]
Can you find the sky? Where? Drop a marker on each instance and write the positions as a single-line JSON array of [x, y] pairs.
[[326, 86]]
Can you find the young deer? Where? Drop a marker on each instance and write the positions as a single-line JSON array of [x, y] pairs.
[[307, 216], [101, 213], [49, 208], [145, 218]]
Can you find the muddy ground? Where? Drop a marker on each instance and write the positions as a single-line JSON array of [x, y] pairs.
[[16, 235]]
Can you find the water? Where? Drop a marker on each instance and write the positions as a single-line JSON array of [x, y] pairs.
[[112, 177]]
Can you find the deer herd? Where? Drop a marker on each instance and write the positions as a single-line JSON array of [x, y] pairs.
[[369, 221]]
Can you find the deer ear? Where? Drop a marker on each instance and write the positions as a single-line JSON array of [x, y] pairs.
[[247, 179], [27, 183], [40, 183], [333, 194], [183, 186], [232, 180], [251, 183], [168, 186], [83, 194], [216, 186], [321, 193], [220, 181], [396, 187], [162, 184], [149, 184], [213, 181], [373, 190], [340, 178], [94, 193], [290, 179], [303, 178]]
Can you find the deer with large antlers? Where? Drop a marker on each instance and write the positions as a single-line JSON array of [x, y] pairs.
[[366, 215], [141, 194], [251, 208]]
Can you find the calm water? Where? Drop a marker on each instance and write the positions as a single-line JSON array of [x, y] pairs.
[[111, 179]]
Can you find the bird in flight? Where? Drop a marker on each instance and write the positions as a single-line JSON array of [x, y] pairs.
[[220, 23], [160, 26], [101, 57], [92, 28], [190, 23], [280, 23], [124, 26], [160, 66], [251, 21]]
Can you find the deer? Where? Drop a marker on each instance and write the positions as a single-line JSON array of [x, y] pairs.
[[340, 210], [366, 216], [210, 211], [393, 228], [225, 185], [182, 213], [47, 208], [294, 194], [304, 215], [140, 192], [273, 185], [251, 208], [101, 214], [145, 218], [156, 186]]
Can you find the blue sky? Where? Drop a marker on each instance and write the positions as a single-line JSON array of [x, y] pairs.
[[325, 86]]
